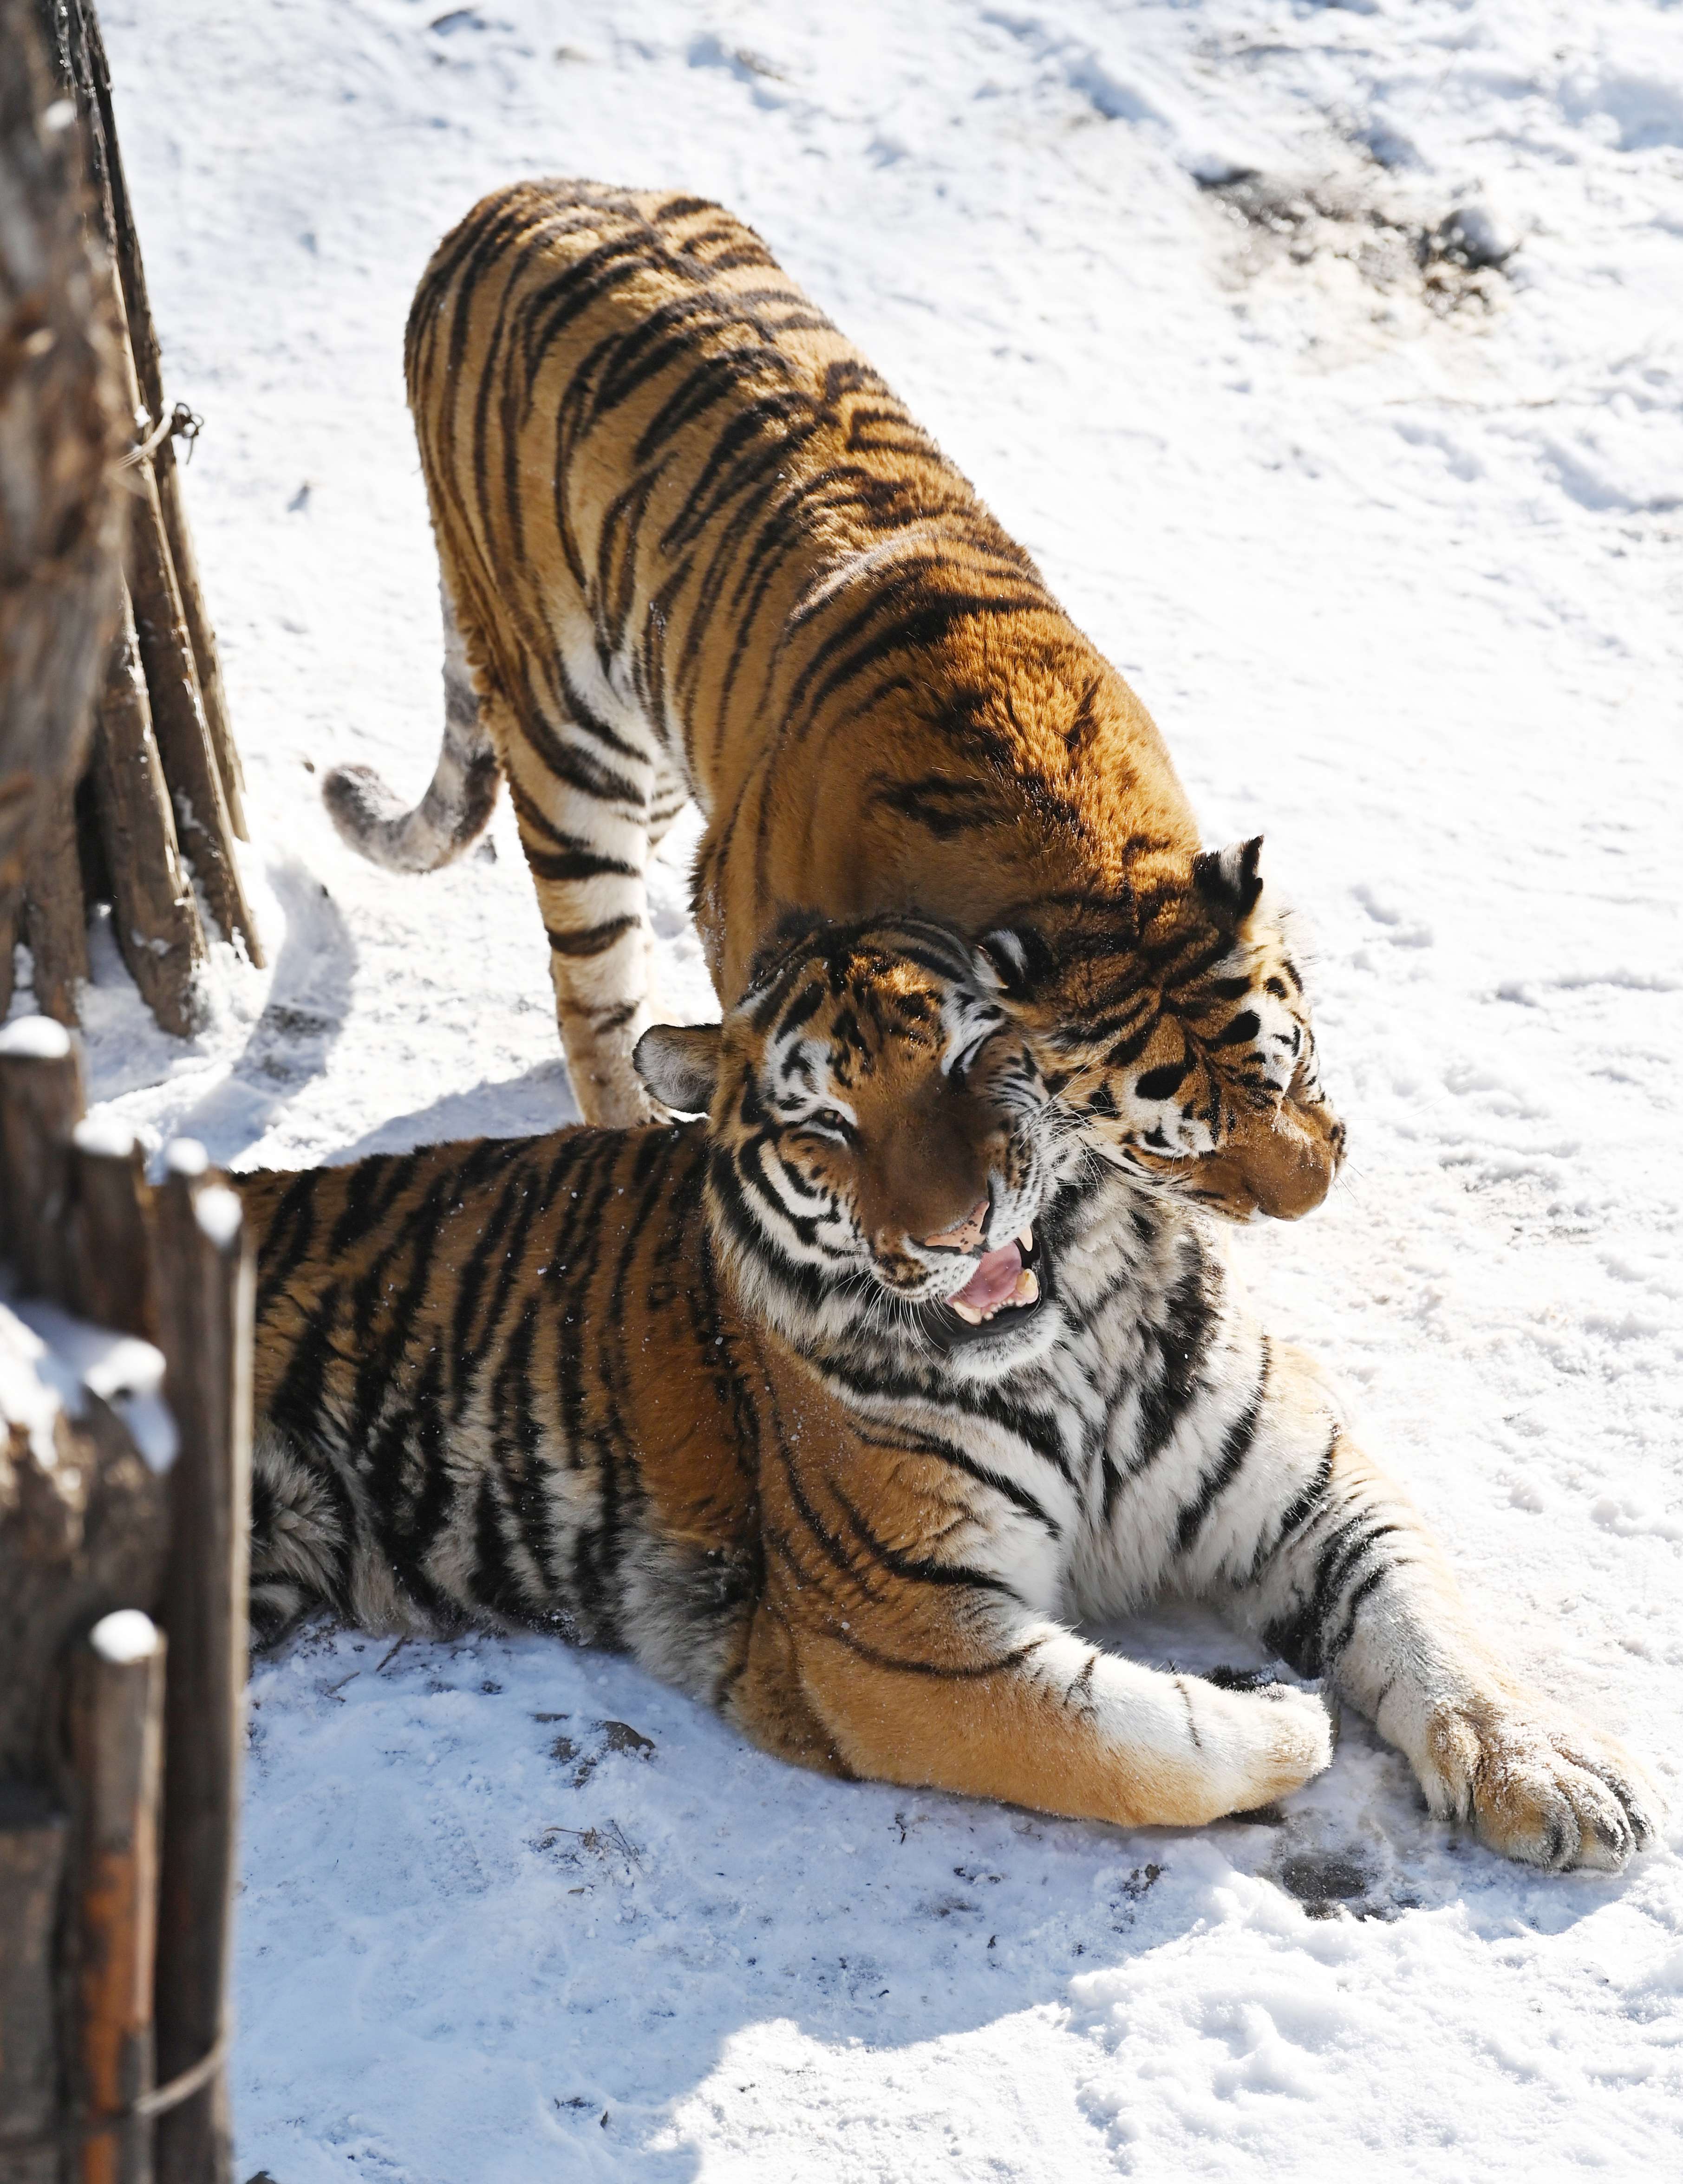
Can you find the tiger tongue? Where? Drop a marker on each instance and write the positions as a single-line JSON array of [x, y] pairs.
[[993, 1280]]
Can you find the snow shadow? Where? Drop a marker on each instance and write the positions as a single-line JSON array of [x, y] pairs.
[[309, 997], [552, 1903], [532, 1105]]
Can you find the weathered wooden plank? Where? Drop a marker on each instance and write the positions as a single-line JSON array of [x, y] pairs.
[[41, 1103], [60, 430], [9, 919], [116, 1737], [203, 1288], [110, 1246], [33, 1838], [55, 914], [83, 1523]]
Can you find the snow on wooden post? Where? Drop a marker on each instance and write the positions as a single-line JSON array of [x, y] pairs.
[[204, 1295]]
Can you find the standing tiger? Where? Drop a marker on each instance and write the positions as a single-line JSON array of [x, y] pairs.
[[839, 1408], [692, 546]]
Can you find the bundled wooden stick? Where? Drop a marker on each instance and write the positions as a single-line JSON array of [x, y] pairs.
[[152, 903], [168, 779], [166, 646], [149, 370], [54, 917]]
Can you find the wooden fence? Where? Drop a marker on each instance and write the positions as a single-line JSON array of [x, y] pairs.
[[125, 1309], [124, 1509]]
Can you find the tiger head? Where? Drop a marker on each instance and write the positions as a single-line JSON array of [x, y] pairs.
[[1173, 1023], [881, 1142]]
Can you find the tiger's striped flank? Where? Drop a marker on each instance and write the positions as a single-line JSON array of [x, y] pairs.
[[843, 1409]]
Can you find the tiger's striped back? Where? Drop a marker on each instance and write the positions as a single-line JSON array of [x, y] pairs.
[[693, 545]]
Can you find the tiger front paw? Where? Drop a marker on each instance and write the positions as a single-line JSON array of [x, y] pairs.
[[1540, 1785], [1260, 1744]]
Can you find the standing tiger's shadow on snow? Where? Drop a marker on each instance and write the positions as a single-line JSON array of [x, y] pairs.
[[309, 999], [530, 1105]]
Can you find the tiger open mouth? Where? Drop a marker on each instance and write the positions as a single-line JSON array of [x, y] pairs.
[[1008, 1288]]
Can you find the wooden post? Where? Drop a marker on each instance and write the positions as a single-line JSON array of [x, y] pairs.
[[116, 1724], [55, 917], [203, 1291], [82, 1530], [153, 910], [31, 1855], [60, 432], [9, 952], [41, 1103], [109, 1250]]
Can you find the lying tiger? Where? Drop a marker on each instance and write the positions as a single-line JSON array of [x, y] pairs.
[[840, 1408], [692, 546]]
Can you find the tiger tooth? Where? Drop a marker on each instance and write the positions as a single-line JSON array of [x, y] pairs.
[[966, 1311], [1027, 1239], [1027, 1289]]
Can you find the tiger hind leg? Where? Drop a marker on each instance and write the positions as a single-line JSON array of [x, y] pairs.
[[1055, 1724], [460, 798], [300, 1537]]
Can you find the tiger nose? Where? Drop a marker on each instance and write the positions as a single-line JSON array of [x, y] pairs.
[[964, 1235]]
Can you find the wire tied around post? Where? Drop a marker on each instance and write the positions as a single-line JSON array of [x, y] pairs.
[[181, 424]]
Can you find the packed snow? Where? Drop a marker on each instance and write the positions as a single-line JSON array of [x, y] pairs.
[[1331, 361]]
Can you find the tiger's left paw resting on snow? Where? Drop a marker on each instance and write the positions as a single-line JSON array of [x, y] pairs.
[[1540, 1785]]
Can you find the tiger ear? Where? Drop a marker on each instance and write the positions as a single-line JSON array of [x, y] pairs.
[[1011, 958], [680, 1065], [1231, 876]]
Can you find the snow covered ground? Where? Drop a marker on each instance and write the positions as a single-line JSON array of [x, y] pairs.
[[1392, 554]]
